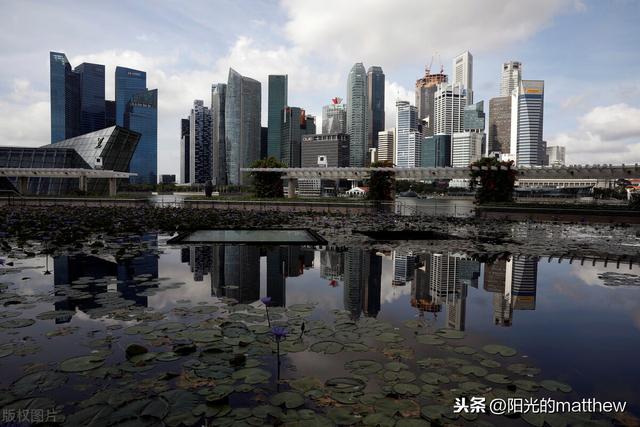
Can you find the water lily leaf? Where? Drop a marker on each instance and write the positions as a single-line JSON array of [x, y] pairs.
[[472, 386], [363, 367], [345, 384], [553, 385], [490, 363], [395, 366], [378, 420], [252, 375], [327, 347], [430, 339], [293, 346], [167, 356], [205, 335], [434, 378], [37, 382], [498, 378], [342, 416], [305, 384], [406, 389], [526, 385], [6, 350], [465, 349], [433, 413], [81, 363], [523, 369], [389, 337], [55, 315], [412, 422], [478, 371], [355, 346], [502, 350], [16, 323], [450, 333], [289, 399]]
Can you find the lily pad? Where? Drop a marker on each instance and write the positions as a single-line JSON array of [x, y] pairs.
[[430, 339], [342, 416], [327, 347], [289, 399], [389, 337], [16, 323], [478, 371], [498, 378], [363, 367], [407, 389], [81, 363], [502, 350], [434, 378], [450, 334]]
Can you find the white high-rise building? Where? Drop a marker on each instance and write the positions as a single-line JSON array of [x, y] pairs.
[[463, 73], [527, 110], [556, 155], [511, 77], [386, 146], [357, 115], [466, 148], [407, 147], [449, 102]]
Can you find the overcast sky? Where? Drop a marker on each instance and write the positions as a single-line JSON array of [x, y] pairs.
[[586, 51]]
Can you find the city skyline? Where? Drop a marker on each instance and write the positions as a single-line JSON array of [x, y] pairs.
[[581, 106]]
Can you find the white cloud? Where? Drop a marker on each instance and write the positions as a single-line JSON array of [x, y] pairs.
[[613, 122]]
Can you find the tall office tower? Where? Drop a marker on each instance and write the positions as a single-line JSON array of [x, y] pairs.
[[373, 289], [463, 73], [200, 261], [92, 104], [200, 143], [219, 156], [264, 142], [242, 125], [425, 90], [357, 123], [444, 284], [466, 148], [242, 273], [276, 279], [375, 102], [435, 151], [109, 113], [473, 120], [511, 77], [408, 139], [556, 155], [502, 310], [325, 150], [334, 117], [543, 160], [521, 283], [65, 98], [356, 278], [386, 147], [277, 102], [294, 125], [185, 157], [404, 265], [449, 102], [331, 264], [217, 271], [494, 275], [141, 115], [527, 110], [128, 83], [499, 128]]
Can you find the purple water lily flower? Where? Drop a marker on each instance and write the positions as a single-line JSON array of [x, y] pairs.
[[279, 332], [266, 300]]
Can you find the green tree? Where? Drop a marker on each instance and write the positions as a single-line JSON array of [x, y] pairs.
[[268, 184], [382, 184], [493, 180]]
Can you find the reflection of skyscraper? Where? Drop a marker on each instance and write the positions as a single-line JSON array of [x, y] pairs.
[[276, 282], [242, 273], [331, 264], [356, 277], [420, 292], [404, 265], [494, 274], [200, 261], [468, 271], [502, 310], [447, 286], [523, 277], [217, 271], [373, 288]]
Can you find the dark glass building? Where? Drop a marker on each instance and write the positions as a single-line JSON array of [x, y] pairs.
[[375, 98], [185, 152], [294, 125], [109, 113], [142, 116], [277, 102], [65, 98], [218, 95], [109, 148], [92, 103], [128, 83], [334, 148], [436, 151]]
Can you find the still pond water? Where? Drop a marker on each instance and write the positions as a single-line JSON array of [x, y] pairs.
[[373, 338]]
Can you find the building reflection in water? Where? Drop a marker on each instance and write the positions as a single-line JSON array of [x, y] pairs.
[[439, 281], [125, 271]]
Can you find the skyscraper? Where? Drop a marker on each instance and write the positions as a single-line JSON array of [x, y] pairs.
[[65, 98], [128, 83], [408, 139], [109, 113], [357, 106], [142, 116], [92, 103], [436, 151], [200, 143], [277, 101], [375, 102], [466, 148], [242, 125], [425, 90], [294, 124], [527, 110], [185, 156], [499, 128], [463, 73], [334, 117], [450, 100], [474, 116], [386, 146], [556, 155], [219, 157], [511, 77]]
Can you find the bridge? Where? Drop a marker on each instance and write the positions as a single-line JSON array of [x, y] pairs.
[[23, 174], [574, 172]]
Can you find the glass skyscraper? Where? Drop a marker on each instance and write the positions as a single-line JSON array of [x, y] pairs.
[[200, 142], [218, 96], [357, 114], [527, 110], [142, 116], [375, 95], [65, 98], [92, 103], [277, 101], [242, 124], [128, 83]]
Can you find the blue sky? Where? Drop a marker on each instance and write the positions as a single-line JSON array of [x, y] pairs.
[[586, 51]]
